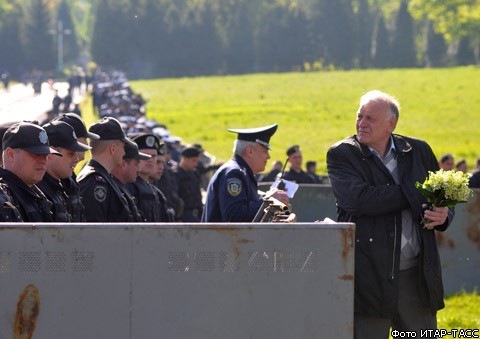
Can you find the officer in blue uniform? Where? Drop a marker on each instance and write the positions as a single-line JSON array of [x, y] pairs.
[[232, 193]]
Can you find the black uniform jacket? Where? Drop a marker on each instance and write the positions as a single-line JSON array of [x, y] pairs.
[[103, 200], [367, 195], [32, 204]]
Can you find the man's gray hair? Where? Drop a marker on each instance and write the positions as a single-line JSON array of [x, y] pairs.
[[239, 146], [378, 96]]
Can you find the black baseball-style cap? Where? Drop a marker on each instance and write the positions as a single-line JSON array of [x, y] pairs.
[[260, 135], [109, 128], [61, 134], [29, 137], [191, 152], [78, 125], [293, 149], [132, 152]]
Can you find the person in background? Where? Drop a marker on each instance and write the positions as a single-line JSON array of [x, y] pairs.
[[62, 139], [274, 171], [296, 173], [446, 162], [169, 187], [147, 198], [232, 194], [103, 200], [398, 279], [189, 185], [25, 151], [75, 207], [461, 166], [154, 178], [312, 171], [127, 173]]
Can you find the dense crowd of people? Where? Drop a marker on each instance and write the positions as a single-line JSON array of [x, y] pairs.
[[138, 172]]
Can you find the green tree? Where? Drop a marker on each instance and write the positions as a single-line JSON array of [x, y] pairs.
[[454, 19], [39, 45], [71, 48], [381, 51], [363, 32], [110, 43], [404, 38], [12, 55]]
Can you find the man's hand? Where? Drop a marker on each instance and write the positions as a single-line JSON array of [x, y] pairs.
[[282, 197], [435, 216]]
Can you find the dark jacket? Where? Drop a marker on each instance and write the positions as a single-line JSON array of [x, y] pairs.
[[367, 195], [232, 194], [103, 200], [55, 192], [32, 204]]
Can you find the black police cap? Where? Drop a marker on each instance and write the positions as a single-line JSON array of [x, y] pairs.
[[146, 141], [109, 128], [29, 137], [292, 150], [78, 125], [190, 152], [260, 135], [131, 152], [61, 134]]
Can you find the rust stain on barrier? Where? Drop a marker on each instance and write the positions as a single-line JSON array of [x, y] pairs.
[[348, 239], [28, 307], [346, 277]]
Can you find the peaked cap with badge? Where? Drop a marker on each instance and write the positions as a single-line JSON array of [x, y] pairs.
[[260, 135], [29, 137], [146, 140]]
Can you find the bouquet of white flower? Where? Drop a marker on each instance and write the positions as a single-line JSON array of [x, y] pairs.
[[445, 188]]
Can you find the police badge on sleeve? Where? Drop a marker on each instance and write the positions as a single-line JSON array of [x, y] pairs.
[[234, 187], [100, 193]]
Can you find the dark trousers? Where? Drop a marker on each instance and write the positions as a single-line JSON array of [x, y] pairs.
[[412, 314]]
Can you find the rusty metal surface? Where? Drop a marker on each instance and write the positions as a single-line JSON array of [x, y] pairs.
[[459, 246], [181, 281]]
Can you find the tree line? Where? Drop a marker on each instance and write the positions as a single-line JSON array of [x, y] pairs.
[[171, 38]]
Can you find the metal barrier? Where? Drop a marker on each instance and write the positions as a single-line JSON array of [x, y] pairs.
[[176, 281], [459, 246]]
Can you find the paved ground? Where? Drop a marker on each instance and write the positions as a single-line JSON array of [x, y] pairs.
[[21, 103]]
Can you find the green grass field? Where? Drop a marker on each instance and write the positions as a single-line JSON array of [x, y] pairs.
[[314, 110]]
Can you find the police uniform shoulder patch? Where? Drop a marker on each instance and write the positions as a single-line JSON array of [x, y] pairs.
[[100, 193], [234, 187]]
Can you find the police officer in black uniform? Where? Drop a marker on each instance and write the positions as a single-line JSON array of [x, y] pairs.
[[296, 173], [25, 151], [75, 208], [103, 200], [63, 139], [189, 185], [232, 193], [146, 196], [127, 173]]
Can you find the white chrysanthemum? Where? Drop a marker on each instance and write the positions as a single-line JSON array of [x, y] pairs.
[[454, 184]]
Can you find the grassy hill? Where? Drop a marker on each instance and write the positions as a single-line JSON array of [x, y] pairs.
[[314, 110]]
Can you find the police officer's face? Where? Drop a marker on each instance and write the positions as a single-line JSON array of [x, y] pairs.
[[131, 170], [296, 160], [148, 167], [259, 159], [29, 167], [62, 167]]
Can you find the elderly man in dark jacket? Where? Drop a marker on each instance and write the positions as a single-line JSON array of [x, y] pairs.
[[398, 280]]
